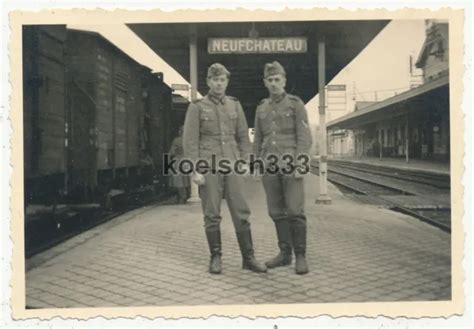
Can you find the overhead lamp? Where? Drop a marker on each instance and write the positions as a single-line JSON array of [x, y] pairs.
[[253, 33]]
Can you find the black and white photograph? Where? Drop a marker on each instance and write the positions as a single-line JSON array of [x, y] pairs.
[[257, 161]]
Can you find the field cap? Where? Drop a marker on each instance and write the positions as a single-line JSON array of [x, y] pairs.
[[272, 69], [217, 69]]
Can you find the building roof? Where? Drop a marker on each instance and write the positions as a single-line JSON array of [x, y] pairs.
[[106, 41], [430, 45], [99, 36], [365, 113], [360, 105]]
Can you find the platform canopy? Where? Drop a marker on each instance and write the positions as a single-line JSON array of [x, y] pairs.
[[344, 41], [420, 98]]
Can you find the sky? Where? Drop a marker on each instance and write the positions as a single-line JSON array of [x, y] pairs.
[[380, 70]]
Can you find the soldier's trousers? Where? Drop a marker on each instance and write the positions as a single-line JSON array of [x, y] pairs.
[[211, 193], [285, 197]]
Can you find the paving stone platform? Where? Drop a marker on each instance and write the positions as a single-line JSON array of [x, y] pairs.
[[158, 255]]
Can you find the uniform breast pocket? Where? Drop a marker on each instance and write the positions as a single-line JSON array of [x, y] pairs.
[[208, 123], [233, 115], [288, 119], [233, 121], [264, 122]]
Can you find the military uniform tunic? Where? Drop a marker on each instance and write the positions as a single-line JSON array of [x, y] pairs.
[[218, 126], [281, 127]]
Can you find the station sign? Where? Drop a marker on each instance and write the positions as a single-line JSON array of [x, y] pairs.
[[336, 98], [257, 45], [180, 86], [336, 87]]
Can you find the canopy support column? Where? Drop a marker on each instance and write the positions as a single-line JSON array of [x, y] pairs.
[[381, 141], [323, 197], [193, 68], [406, 138]]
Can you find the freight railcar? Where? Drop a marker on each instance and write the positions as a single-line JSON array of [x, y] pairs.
[[122, 109], [104, 99], [160, 128], [94, 119]]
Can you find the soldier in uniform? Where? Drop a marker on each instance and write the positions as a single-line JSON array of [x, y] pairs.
[[281, 127], [179, 181], [216, 125]]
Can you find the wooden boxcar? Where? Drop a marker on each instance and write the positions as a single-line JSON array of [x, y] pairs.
[[107, 107], [159, 128], [45, 113], [94, 119]]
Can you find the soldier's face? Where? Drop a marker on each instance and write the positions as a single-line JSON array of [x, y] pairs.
[[275, 84], [218, 84]]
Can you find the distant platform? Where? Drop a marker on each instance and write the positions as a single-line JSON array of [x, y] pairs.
[[415, 165]]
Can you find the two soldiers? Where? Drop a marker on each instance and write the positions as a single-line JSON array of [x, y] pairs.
[[216, 125]]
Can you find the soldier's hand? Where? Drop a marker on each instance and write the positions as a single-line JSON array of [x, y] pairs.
[[198, 179], [257, 177], [255, 173], [299, 170], [245, 170], [297, 173]]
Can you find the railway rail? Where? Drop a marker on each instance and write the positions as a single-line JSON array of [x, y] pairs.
[[432, 179], [380, 186]]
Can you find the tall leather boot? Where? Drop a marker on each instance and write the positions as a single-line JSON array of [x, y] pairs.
[[214, 240], [299, 241], [284, 258], [246, 248]]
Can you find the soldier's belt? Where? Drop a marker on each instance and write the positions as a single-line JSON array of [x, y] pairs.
[[289, 133], [217, 134]]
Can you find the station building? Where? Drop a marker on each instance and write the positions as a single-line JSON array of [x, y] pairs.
[[341, 142], [412, 124]]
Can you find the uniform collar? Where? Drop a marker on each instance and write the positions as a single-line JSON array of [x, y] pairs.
[[277, 98], [216, 99]]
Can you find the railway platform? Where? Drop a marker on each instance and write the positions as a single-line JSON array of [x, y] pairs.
[[414, 165], [158, 256]]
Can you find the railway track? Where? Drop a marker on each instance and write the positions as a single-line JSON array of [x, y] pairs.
[[381, 186], [431, 179]]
